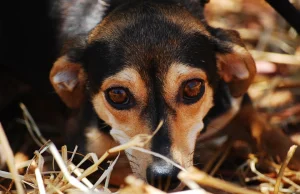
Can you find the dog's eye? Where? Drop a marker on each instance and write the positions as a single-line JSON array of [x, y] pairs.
[[192, 91], [118, 97]]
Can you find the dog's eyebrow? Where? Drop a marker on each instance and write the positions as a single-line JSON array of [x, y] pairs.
[[184, 69], [178, 73], [127, 74], [129, 78]]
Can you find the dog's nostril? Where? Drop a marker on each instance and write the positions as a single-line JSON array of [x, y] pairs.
[[163, 175]]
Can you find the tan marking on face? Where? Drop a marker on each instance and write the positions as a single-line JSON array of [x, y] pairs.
[[126, 123], [97, 141], [188, 122], [184, 19]]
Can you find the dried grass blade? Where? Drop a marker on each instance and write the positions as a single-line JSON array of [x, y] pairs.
[[283, 166], [40, 181], [72, 180], [159, 156], [204, 179], [110, 169], [11, 161], [35, 128], [8, 175], [78, 174], [74, 152]]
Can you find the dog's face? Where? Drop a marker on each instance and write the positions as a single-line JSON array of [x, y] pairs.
[[150, 62]]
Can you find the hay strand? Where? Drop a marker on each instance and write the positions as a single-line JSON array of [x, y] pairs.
[[204, 179], [10, 160], [283, 167]]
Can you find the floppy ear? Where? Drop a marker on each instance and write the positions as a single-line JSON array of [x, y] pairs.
[[235, 64], [68, 79]]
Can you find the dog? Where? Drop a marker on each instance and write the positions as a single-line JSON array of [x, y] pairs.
[[127, 65], [148, 61]]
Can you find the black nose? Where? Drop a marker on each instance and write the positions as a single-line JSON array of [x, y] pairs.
[[163, 175]]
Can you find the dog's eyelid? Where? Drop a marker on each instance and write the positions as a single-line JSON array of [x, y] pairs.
[[116, 85], [193, 78], [184, 77]]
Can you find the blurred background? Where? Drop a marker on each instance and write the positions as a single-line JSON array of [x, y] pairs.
[[275, 47]]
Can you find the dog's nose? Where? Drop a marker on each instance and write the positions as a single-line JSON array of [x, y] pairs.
[[163, 175]]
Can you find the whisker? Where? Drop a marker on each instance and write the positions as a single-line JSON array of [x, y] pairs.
[[132, 156], [199, 163], [96, 138], [135, 168], [191, 153], [133, 163], [103, 125]]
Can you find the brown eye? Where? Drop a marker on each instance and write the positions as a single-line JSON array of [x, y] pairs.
[[119, 97], [192, 90]]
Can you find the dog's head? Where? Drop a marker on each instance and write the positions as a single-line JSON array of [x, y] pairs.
[[148, 61]]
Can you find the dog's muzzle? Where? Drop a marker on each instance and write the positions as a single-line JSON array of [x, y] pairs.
[[163, 175]]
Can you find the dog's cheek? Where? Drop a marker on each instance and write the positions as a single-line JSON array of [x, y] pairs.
[[125, 125], [97, 141], [186, 126]]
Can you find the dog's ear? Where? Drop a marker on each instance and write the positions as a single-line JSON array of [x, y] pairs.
[[68, 79], [235, 64]]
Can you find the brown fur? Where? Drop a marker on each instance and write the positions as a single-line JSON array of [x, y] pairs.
[[73, 96], [186, 116], [238, 69], [267, 139]]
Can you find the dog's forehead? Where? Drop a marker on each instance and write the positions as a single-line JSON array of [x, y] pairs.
[[129, 14], [149, 39]]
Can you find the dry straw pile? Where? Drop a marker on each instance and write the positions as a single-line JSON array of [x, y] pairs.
[[71, 178]]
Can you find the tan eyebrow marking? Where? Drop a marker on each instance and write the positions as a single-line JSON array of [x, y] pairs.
[[129, 78], [177, 73]]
